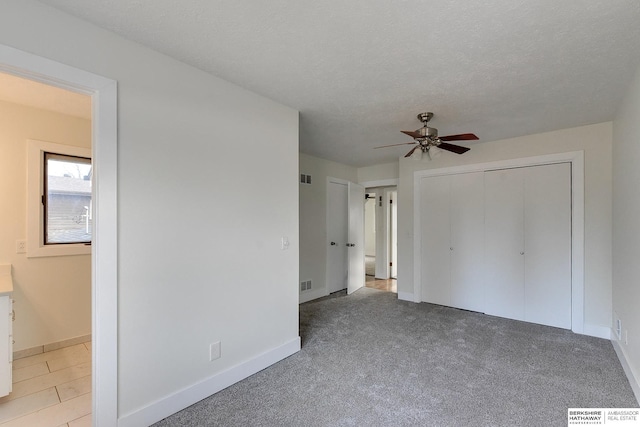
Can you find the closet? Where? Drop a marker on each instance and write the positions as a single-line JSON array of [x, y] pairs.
[[452, 240], [499, 242], [528, 244]]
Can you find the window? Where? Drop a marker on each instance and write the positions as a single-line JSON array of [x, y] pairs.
[[59, 207], [66, 199]]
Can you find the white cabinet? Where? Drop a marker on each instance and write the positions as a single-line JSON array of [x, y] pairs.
[[528, 244], [452, 240], [6, 344], [6, 329], [499, 242]]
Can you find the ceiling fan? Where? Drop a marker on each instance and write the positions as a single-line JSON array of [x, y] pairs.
[[427, 137]]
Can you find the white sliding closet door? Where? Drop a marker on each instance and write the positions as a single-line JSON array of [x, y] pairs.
[[435, 240], [467, 241], [528, 244], [504, 243], [547, 267]]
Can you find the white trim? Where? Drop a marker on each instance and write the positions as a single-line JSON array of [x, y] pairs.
[[105, 245], [35, 209], [380, 183], [597, 331], [406, 296], [633, 379], [576, 158], [314, 294], [181, 399]]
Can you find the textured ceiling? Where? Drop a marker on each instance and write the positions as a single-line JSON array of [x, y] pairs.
[[360, 71]]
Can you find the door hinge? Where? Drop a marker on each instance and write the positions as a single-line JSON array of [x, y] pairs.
[[391, 264]]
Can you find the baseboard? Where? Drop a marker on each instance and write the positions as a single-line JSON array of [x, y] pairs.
[[311, 295], [633, 379], [597, 331], [181, 399], [32, 351], [406, 296]]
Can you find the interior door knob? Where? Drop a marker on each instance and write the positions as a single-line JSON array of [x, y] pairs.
[[333, 243], [521, 253]]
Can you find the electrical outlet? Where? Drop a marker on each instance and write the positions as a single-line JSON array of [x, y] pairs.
[[214, 351], [618, 330], [21, 246], [284, 243]]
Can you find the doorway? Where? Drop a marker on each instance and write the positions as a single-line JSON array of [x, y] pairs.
[[104, 307], [381, 237], [53, 321]]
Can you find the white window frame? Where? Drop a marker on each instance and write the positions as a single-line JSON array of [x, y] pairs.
[[35, 209]]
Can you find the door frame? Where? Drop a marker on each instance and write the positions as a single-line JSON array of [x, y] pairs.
[[104, 253], [576, 158], [384, 188]]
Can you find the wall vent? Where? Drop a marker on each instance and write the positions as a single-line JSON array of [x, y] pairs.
[[305, 286], [305, 179]]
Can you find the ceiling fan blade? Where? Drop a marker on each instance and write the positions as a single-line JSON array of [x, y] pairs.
[[453, 148], [412, 134], [393, 145], [412, 150], [460, 137]]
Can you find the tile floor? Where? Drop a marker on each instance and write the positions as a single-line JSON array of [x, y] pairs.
[[50, 389]]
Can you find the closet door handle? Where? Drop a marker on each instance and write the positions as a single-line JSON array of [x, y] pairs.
[[521, 253], [333, 243]]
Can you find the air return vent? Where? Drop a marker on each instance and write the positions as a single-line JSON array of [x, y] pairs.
[[305, 179], [305, 286]]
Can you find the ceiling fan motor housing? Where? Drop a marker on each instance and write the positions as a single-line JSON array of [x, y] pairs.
[[427, 132]]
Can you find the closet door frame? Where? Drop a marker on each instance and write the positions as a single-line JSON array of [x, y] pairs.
[[576, 158]]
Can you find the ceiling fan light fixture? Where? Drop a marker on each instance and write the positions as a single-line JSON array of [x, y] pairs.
[[427, 137]]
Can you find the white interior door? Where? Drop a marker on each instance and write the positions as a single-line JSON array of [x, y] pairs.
[[382, 233], [394, 234], [547, 260], [355, 249], [337, 233], [504, 243], [467, 241], [435, 262]]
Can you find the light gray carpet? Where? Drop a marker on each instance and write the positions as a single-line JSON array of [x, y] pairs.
[[371, 360]]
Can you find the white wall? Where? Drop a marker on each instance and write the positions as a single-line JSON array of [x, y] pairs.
[[626, 225], [313, 221], [370, 225], [384, 171], [52, 294], [595, 140], [201, 211]]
